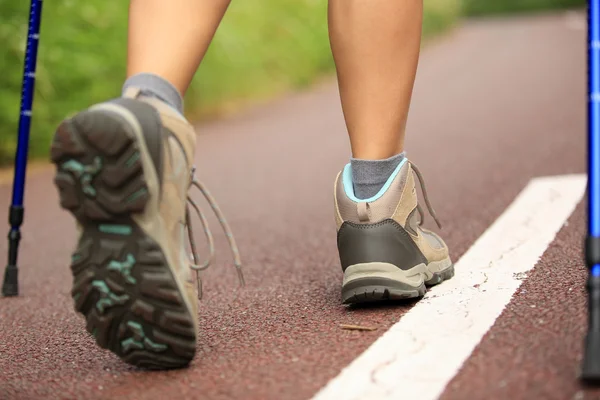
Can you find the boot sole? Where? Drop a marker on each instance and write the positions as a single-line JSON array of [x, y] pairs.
[[379, 282], [122, 283]]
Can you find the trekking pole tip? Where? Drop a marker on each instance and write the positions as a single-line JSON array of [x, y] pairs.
[[10, 286], [590, 372]]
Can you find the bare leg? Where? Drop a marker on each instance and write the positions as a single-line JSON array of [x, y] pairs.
[[170, 38], [375, 45]]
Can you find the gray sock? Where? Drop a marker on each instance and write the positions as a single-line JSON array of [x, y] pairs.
[[369, 176], [156, 86]]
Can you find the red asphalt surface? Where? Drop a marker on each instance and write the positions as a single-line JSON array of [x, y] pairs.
[[496, 103]]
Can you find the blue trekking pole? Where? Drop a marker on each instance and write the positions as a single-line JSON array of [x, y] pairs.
[[591, 362], [10, 287]]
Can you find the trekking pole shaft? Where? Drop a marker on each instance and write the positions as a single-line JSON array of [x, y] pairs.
[[592, 248], [26, 101], [594, 124], [10, 286]]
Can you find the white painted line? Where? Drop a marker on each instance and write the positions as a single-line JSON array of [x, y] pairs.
[[420, 354]]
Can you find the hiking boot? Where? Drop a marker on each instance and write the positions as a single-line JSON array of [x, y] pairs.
[[385, 252], [124, 168]]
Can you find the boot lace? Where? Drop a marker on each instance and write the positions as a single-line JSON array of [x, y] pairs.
[[426, 198], [196, 266]]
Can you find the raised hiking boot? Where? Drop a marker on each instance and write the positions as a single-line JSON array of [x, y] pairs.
[[124, 168], [384, 251]]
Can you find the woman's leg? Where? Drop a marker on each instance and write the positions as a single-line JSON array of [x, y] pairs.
[[375, 45], [384, 252], [123, 170]]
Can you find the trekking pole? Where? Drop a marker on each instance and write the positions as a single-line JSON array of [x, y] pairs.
[[591, 362], [10, 287]]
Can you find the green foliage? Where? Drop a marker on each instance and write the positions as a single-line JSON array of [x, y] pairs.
[[439, 15], [262, 47], [481, 7], [80, 61]]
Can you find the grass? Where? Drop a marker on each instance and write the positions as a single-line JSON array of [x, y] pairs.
[[485, 7], [80, 60], [263, 47]]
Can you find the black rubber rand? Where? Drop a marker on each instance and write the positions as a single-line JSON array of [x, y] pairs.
[[384, 241], [122, 283]]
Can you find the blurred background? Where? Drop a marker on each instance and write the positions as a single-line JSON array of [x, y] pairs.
[[263, 49]]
